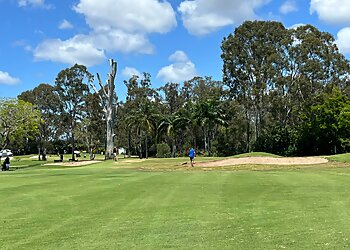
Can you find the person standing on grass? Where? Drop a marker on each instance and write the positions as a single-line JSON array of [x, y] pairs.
[[192, 154], [6, 164]]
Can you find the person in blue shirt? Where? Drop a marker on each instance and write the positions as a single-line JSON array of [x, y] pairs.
[[192, 154]]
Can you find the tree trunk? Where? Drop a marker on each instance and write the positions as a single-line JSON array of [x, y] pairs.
[[248, 132], [39, 152], [44, 154], [110, 133], [91, 154], [146, 145], [109, 100], [173, 150], [195, 142], [73, 148], [110, 109], [209, 149], [205, 140], [129, 143], [140, 150]]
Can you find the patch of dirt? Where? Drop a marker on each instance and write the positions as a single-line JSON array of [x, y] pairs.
[[72, 163], [264, 161]]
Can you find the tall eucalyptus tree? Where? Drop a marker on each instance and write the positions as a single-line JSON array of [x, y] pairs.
[[46, 101], [72, 89]]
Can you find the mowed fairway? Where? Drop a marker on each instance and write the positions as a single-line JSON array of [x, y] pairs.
[[104, 206]]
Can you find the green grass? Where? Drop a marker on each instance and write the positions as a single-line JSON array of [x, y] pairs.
[[340, 157], [255, 154], [119, 206], [31, 161]]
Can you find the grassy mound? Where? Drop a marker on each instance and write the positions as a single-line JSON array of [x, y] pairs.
[[340, 157], [255, 154]]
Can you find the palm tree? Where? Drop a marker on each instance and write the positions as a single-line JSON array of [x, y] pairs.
[[143, 119], [187, 113], [208, 114], [171, 124]]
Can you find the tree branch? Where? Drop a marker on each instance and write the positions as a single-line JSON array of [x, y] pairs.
[[100, 83], [94, 88]]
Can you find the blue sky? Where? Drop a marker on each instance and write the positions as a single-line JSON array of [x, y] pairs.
[[172, 40]]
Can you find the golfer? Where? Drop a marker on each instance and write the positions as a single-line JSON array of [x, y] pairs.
[[192, 154]]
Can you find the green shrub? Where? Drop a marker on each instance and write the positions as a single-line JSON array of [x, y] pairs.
[[163, 151]]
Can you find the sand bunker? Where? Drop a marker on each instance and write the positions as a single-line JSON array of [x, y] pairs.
[[72, 163], [264, 160]]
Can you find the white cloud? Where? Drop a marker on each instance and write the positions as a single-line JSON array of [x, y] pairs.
[[204, 16], [297, 25], [343, 38], [79, 49], [118, 40], [288, 6], [178, 56], [34, 3], [65, 25], [146, 16], [22, 43], [130, 72], [331, 11], [6, 78], [124, 32], [90, 49], [179, 71]]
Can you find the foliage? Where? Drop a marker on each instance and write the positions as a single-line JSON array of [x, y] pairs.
[[90, 132], [326, 129], [208, 114], [163, 150], [172, 99], [46, 101], [143, 102], [278, 140], [251, 61], [275, 74], [72, 91], [172, 124], [18, 121], [284, 91]]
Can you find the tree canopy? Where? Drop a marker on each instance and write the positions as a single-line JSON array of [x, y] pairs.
[[19, 121], [283, 91]]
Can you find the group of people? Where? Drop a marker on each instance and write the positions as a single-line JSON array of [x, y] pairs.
[[191, 154], [6, 164]]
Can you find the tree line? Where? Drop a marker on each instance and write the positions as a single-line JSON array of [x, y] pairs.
[[283, 91]]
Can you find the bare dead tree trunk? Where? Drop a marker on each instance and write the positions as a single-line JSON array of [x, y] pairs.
[[109, 101]]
